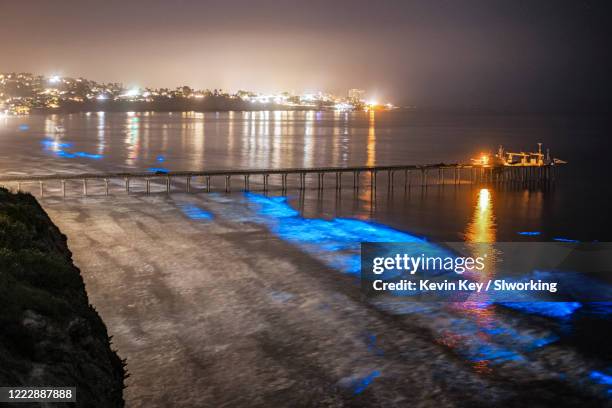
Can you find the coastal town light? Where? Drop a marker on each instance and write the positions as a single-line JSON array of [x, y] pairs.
[[50, 92], [132, 92], [343, 106]]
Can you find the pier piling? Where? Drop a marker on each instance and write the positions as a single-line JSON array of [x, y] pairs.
[[227, 184], [527, 175]]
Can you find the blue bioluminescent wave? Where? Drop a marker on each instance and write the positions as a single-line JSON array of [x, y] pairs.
[[557, 310], [65, 154], [360, 384], [561, 239], [195, 213], [530, 233], [89, 155], [158, 170], [50, 144], [58, 148], [599, 309], [602, 379], [336, 242], [582, 289], [68, 155]]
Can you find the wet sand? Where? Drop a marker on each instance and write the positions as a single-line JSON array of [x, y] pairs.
[[222, 313]]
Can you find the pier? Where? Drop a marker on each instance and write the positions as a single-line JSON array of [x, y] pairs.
[[408, 175]]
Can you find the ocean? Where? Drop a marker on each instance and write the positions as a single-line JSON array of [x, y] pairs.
[[253, 298]]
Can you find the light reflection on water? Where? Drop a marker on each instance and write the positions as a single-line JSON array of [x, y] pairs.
[[195, 141], [481, 228], [366, 191], [481, 232]]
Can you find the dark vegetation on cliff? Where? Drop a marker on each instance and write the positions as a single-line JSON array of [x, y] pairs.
[[49, 333]]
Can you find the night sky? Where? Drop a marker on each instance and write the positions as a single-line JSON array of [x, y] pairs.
[[519, 55]]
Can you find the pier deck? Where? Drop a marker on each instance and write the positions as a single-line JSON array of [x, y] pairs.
[[459, 174]]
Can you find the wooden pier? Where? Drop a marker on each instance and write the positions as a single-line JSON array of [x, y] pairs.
[[409, 175]]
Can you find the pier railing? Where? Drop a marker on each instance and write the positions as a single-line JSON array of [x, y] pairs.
[[412, 175]]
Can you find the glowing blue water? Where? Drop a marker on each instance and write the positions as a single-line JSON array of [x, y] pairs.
[[50, 144], [65, 154], [557, 310], [583, 289], [359, 385], [89, 155], [560, 239], [602, 379], [58, 148], [600, 308], [195, 213], [336, 242], [158, 170], [530, 233]]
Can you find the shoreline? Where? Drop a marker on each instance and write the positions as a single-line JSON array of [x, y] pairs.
[[214, 105]]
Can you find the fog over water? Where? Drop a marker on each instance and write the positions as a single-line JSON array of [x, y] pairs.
[[251, 298]]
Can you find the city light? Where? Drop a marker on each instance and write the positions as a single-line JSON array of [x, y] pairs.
[[343, 106], [44, 94], [132, 92]]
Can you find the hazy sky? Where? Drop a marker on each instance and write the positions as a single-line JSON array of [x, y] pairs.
[[517, 54]]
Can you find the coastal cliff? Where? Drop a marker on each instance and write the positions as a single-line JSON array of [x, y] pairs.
[[50, 335]]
